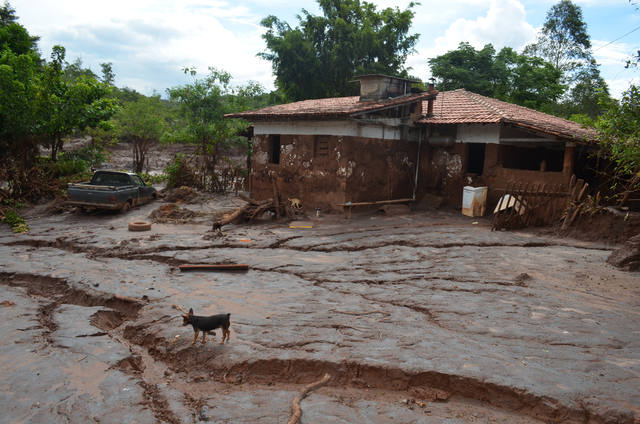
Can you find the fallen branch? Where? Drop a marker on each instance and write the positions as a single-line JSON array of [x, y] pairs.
[[295, 405], [226, 219], [180, 308]]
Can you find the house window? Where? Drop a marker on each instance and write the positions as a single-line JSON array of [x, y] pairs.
[[532, 158], [475, 158], [321, 146], [274, 149]]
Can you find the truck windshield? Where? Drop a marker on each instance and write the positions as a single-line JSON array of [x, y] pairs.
[[111, 179]]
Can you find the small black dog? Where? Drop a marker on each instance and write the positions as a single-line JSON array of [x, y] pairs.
[[207, 324]]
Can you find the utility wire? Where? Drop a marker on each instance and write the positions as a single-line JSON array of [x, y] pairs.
[[622, 36]]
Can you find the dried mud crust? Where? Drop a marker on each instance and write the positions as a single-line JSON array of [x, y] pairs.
[[431, 386], [196, 364], [54, 292], [605, 227]]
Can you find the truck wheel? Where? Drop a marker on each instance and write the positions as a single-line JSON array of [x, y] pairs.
[[139, 226], [125, 207]]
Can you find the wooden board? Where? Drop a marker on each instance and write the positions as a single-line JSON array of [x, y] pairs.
[[214, 267]]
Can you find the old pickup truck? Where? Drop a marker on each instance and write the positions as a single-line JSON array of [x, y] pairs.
[[111, 190]]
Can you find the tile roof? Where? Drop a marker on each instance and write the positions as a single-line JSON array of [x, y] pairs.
[[464, 107], [336, 107]]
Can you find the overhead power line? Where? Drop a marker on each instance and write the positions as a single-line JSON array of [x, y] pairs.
[[622, 36]]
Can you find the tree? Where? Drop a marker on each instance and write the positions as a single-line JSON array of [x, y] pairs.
[[585, 94], [321, 56], [467, 68], [619, 133], [202, 105], [70, 102], [142, 123], [563, 40], [507, 75], [13, 35], [19, 94], [108, 77]]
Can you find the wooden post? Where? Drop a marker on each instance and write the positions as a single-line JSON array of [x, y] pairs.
[[276, 197], [569, 157]]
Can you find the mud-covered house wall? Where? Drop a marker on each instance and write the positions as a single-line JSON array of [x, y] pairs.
[[494, 158], [326, 170]]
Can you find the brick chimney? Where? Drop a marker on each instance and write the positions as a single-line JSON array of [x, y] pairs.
[[430, 101]]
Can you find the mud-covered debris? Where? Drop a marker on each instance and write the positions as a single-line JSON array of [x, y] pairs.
[[395, 210], [429, 394], [172, 213], [627, 257], [182, 194], [522, 278], [58, 206]]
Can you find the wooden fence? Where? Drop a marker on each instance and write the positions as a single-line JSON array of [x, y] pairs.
[[526, 205]]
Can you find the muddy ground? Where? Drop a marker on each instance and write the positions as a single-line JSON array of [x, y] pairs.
[[419, 318]]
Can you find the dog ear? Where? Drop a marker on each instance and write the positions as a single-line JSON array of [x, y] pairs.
[[190, 311]]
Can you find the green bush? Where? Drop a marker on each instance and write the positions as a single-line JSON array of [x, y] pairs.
[[92, 155], [150, 179], [66, 167], [15, 221], [179, 173]]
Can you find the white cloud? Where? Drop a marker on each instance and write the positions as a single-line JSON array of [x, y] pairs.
[[503, 24], [151, 37], [612, 54], [619, 85]]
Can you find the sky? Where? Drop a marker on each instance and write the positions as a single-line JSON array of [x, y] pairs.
[[150, 41]]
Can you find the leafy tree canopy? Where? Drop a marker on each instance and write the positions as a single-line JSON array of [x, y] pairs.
[[506, 75], [141, 122], [563, 40], [13, 35], [324, 53], [619, 131], [70, 101]]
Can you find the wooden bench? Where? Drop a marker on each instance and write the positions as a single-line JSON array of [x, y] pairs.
[[348, 206]]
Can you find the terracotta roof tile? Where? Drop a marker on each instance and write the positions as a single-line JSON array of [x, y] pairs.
[[335, 107], [464, 107]]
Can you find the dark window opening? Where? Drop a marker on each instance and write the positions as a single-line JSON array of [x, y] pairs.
[[532, 158], [321, 146], [475, 158], [274, 149]]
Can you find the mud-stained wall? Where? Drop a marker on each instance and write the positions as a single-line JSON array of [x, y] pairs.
[[448, 175], [324, 171], [445, 173]]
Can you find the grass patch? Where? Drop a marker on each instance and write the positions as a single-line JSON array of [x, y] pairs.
[[15, 221]]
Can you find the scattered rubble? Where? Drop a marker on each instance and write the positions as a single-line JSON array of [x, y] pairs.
[[181, 194], [172, 213], [627, 257]]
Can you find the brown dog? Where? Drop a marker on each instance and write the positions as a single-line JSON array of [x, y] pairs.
[[207, 324]]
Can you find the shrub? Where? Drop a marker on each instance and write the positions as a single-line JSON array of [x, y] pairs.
[[66, 167], [15, 221], [179, 173], [93, 155], [150, 179]]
